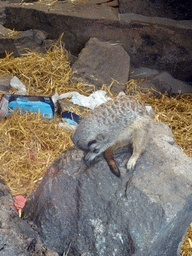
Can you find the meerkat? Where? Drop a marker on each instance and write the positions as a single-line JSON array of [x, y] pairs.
[[116, 123]]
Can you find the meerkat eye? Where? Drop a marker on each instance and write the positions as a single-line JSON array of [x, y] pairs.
[[96, 150], [91, 142]]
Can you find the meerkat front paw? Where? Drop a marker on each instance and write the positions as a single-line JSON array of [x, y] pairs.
[[131, 164], [89, 157]]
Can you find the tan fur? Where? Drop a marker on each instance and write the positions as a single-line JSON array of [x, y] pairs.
[[118, 122]]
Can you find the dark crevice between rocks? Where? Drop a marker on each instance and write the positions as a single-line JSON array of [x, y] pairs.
[[3, 247], [110, 1]]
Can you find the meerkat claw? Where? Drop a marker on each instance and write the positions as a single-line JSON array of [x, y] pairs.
[[89, 157], [131, 164]]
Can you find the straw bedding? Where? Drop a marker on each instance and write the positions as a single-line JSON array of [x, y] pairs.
[[28, 143]]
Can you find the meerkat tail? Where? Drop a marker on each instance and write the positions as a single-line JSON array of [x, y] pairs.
[[108, 154]]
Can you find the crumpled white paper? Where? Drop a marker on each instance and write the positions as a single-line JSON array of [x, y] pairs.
[[17, 84], [150, 111], [91, 101]]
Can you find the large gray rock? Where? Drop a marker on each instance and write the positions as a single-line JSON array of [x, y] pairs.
[[22, 42], [17, 236], [147, 212], [139, 73], [164, 82], [30, 39], [101, 62]]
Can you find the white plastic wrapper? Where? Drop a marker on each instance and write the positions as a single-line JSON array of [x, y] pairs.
[[17, 84], [95, 99], [150, 111]]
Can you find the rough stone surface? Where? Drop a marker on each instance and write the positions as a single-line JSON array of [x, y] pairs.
[[17, 236], [164, 82], [101, 62], [153, 42], [22, 42], [168, 23], [138, 73], [172, 9], [3, 31], [5, 83], [89, 210]]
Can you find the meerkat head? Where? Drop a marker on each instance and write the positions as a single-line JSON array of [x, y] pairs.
[[89, 141], [92, 144]]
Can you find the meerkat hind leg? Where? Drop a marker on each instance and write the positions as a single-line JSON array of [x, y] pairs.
[[139, 138]]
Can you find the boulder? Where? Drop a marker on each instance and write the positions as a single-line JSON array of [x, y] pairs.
[[22, 42], [139, 73], [80, 209], [164, 82], [17, 236], [101, 62]]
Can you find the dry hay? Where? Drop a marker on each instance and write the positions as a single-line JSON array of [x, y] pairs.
[[29, 143], [186, 247]]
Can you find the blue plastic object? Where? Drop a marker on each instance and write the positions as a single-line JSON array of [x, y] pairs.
[[34, 103], [71, 117]]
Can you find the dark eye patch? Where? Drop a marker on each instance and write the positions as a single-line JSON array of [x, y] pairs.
[[96, 151], [91, 142]]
